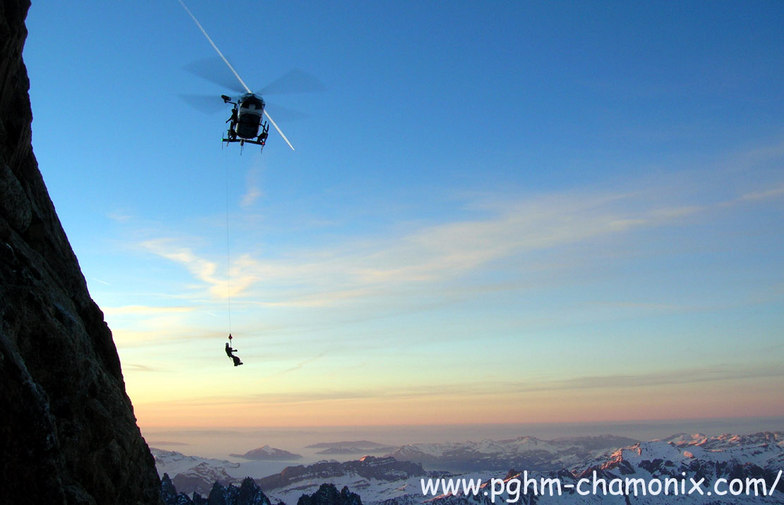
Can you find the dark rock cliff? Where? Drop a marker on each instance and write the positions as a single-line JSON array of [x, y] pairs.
[[328, 494], [67, 430]]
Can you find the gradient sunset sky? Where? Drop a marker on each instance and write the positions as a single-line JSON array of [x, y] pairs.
[[497, 212]]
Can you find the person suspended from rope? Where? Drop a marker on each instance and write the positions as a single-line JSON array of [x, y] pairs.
[[230, 353]]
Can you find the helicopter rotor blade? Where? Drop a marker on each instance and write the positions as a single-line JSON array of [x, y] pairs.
[[213, 70], [208, 104], [209, 39], [294, 81], [279, 131], [285, 114]]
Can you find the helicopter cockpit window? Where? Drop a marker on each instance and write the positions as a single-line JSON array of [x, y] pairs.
[[252, 103]]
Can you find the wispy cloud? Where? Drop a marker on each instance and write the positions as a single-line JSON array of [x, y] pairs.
[[768, 194], [435, 253], [298, 366], [607, 383], [120, 216], [502, 234], [253, 191], [144, 310], [202, 269], [136, 367], [658, 378]]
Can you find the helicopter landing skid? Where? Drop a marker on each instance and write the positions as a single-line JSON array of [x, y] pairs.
[[242, 142], [249, 141]]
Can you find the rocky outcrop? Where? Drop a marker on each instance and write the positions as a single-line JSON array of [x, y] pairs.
[[67, 430], [328, 494]]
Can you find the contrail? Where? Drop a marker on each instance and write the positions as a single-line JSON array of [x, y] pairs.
[[206, 35], [279, 130]]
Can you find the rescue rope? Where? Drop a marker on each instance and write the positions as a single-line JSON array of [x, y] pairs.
[[228, 252]]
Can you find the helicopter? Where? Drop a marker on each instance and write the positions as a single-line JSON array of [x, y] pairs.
[[246, 120], [249, 121]]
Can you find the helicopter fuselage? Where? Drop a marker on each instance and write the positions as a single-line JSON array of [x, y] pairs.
[[246, 120], [251, 108]]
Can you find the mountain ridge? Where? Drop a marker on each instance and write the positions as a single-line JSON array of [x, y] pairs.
[[267, 453]]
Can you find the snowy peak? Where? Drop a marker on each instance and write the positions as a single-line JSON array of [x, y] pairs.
[[522, 452], [712, 457], [191, 473]]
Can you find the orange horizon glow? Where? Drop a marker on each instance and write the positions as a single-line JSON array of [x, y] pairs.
[[600, 406]]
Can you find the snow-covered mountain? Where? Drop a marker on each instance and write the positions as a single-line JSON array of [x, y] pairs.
[[390, 481], [522, 452], [374, 479], [192, 473], [696, 469], [764, 450]]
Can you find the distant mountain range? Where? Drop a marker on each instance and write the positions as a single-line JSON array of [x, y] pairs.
[[393, 481], [354, 447], [268, 453], [522, 452], [709, 470]]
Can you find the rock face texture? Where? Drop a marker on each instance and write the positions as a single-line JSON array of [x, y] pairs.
[[67, 430]]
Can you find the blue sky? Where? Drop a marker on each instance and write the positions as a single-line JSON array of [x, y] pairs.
[[561, 211]]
